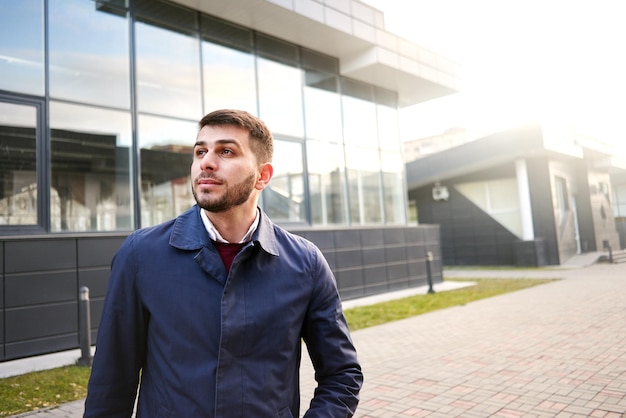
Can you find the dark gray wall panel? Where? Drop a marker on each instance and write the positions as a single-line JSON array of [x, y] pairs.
[[41, 321], [95, 252], [351, 283], [96, 280], [372, 237], [347, 238], [348, 258], [40, 288], [375, 276], [393, 236], [396, 253], [30, 348], [373, 256], [39, 255]]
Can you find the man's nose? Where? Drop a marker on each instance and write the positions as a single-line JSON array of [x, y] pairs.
[[209, 161]]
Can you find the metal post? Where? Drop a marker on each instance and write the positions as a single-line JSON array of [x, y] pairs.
[[429, 259], [85, 328]]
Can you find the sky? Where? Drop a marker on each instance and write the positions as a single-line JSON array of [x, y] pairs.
[[562, 61]]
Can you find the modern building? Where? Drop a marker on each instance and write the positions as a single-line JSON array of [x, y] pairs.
[[99, 103], [530, 196]]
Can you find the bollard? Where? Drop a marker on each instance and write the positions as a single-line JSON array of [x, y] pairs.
[[85, 328], [429, 259]]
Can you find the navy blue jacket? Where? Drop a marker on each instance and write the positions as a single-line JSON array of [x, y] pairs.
[[212, 343]]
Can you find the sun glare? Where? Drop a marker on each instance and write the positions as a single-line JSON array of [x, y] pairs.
[[523, 61]]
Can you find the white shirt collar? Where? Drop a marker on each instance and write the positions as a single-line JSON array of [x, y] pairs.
[[215, 235]]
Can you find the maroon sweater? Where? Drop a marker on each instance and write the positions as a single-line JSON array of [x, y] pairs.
[[227, 252]]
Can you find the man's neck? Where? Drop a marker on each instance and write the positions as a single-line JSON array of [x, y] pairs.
[[233, 224]]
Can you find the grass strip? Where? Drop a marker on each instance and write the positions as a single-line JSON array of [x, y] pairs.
[[43, 389], [380, 313]]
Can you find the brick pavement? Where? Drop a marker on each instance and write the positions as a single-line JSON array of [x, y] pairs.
[[556, 350]]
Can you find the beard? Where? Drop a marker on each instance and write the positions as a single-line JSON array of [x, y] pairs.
[[234, 195]]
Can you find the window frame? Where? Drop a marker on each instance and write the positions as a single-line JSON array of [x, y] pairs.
[[42, 165]]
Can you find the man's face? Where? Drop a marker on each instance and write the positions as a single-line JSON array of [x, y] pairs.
[[224, 171]]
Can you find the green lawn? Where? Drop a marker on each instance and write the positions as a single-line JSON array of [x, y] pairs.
[[47, 388], [368, 316], [43, 389]]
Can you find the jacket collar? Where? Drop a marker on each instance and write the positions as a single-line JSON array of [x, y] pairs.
[[189, 233]]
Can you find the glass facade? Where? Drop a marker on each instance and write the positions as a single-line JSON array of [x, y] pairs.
[[98, 120], [22, 46]]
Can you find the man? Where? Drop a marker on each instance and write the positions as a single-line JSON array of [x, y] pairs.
[[210, 308]]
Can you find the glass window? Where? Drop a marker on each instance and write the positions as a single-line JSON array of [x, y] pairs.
[[283, 199], [364, 189], [90, 169], [327, 185], [18, 171], [392, 165], [168, 72], [229, 79], [225, 33], [388, 128], [359, 118], [21, 46], [166, 151], [322, 105], [89, 58], [359, 113], [280, 97], [393, 187]]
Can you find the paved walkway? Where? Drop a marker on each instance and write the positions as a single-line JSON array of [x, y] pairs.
[[555, 350]]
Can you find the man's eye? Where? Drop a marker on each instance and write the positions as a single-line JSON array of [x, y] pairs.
[[200, 152], [227, 151]]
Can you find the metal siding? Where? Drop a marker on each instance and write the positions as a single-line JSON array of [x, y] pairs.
[[41, 276], [39, 255]]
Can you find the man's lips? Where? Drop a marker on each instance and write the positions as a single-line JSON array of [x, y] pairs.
[[207, 182]]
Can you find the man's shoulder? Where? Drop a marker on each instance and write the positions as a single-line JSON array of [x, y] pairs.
[[161, 230], [154, 231], [295, 242]]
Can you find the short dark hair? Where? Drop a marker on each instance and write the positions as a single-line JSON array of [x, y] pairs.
[[261, 140]]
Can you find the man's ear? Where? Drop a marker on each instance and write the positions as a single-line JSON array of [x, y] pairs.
[[266, 171]]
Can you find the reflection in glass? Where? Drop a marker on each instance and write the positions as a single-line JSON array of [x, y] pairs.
[[280, 97], [18, 171], [359, 117], [90, 169], [388, 128], [89, 60], [22, 46], [166, 151], [392, 165], [283, 200], [229, 79], [364, 189], [393, 187], [168, 72], [323, 107], [326, 183]]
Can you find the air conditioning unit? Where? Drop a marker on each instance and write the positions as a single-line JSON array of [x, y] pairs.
[[440, 192]]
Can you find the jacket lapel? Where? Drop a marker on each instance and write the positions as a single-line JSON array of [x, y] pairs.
[[190, 234]]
